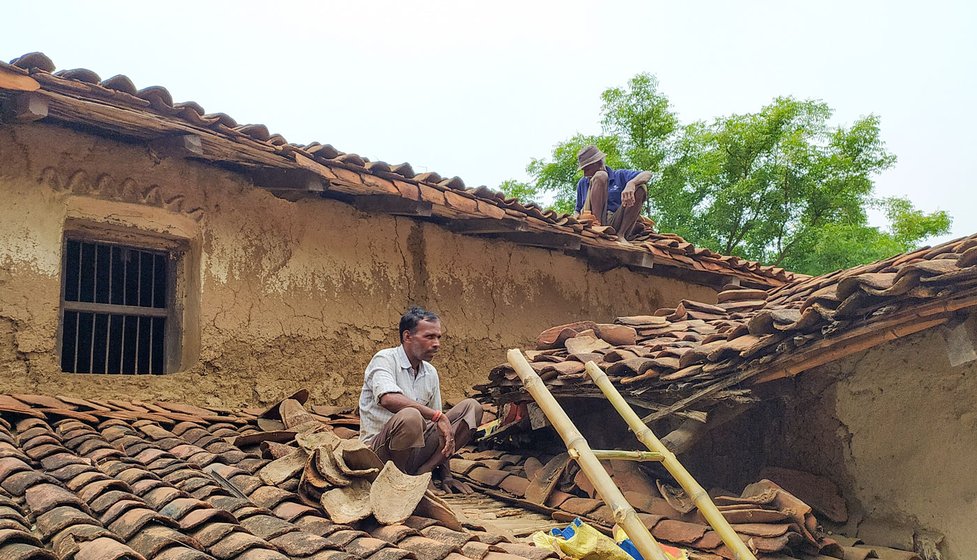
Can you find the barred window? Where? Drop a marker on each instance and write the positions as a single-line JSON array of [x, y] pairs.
[[116, 305]]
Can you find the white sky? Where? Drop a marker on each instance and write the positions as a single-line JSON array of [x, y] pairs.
[[477, 89]]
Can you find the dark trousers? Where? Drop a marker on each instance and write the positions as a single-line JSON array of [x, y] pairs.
[[409, 430], [623, 219]]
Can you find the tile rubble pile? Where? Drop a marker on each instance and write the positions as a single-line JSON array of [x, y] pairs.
[[753, 335], [768, 515], [80, 96], [111, 480]]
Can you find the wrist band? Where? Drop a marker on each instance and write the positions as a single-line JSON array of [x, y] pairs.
[[437, 416]]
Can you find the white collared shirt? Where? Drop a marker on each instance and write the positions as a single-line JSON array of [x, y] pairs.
[[390, 372]]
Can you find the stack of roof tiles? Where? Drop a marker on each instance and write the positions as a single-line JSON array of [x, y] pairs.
[[753, 334], [91, 480], [75, 94]]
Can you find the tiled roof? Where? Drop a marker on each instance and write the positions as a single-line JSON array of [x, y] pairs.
[[696, 350], [116, 106], [93, 480], [116, 480]]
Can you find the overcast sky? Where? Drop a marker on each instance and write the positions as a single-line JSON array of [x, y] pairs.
[[477, 89]]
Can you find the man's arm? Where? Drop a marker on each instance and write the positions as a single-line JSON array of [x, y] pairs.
[[395, 402], [581, 198], [639, 180]]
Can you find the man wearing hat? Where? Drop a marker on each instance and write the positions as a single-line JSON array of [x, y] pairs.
[[609, 197], [400, 404]]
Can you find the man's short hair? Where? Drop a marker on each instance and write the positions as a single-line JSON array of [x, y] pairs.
[[413, 316]]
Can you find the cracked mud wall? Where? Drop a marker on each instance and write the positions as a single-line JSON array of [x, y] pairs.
[[280, 295], [896, 428]]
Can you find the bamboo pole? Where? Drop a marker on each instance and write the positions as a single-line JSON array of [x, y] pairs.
[[627, 455], [624, 514], [698, 494]]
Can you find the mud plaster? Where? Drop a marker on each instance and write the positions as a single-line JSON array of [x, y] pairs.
[[895, 427], [291, 294]]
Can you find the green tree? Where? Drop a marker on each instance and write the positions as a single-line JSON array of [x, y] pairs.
[[640, 120], [844, 245], [524, 192], [780, 186]]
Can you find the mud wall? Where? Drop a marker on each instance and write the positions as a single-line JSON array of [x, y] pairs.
[[276, 295], [898, 432], [895, 427]]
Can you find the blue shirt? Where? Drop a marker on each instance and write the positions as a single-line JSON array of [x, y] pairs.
[[617, 179]]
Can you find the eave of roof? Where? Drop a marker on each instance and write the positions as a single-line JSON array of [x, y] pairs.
[[115, 107]]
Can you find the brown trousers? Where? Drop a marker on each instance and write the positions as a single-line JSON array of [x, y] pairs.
[[623, 219], [409, 430]]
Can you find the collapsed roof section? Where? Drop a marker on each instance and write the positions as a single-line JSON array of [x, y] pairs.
[[31, 90], [770, 518], [677, 357]]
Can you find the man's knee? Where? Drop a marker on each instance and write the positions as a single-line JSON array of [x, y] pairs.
[[599, 180], [471, 404], [641, 193], [409, 422], [471, 411]]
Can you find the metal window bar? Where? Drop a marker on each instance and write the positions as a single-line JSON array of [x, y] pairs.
[[85, 312]]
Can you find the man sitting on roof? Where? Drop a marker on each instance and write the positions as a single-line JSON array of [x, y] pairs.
[[400, 404], [609, 197]]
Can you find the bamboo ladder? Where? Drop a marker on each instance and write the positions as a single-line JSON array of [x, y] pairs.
[[589, 461]]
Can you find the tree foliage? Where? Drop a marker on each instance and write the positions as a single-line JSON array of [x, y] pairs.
[[781, 185]]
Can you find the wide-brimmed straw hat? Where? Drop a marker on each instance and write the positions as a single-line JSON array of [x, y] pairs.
[[348, 503], [589, 155], [394, 495]]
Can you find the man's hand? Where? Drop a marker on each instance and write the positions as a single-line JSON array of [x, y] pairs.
[[444, 426], [627, 195]]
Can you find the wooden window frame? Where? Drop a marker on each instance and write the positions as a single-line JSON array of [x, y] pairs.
[[176, 250]]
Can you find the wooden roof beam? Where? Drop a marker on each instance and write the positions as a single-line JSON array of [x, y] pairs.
[[543, 239], [25, 107], [392, 204], [484, 226], [289, 184], [177, 146], [604, 258]]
